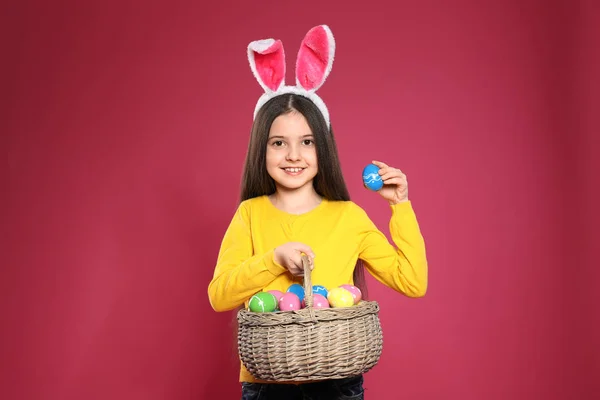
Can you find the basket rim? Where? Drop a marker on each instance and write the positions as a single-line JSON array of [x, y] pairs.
[[307, 315]]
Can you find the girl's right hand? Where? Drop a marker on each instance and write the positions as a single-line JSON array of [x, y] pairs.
[[289, 255]]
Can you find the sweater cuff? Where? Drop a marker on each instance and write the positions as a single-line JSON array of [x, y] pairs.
[[272, 266], [402, 208]]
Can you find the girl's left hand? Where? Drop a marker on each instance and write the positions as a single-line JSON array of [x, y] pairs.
[[395, 184]]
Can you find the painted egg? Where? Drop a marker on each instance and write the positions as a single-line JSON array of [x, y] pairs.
[[356, 293], [340, 297], [319, 302], [262, 302], [298, 290], [276, 293], [289, 302], [320, 289], [371, 177]]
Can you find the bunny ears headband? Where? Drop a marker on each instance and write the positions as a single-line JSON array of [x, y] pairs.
[[313, 64]]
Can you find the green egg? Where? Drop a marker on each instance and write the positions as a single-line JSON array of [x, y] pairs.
[[263, 302]]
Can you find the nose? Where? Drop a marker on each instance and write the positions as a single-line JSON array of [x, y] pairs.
[[293, 153]]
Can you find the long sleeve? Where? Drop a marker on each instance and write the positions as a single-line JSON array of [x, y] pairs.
[[404, 267], [239, 272]]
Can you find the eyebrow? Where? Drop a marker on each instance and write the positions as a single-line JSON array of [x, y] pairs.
[[283, 137]]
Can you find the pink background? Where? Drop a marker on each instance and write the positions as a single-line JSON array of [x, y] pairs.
[[123, 130]]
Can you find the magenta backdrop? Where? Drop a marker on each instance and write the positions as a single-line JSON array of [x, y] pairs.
[[124, 128]]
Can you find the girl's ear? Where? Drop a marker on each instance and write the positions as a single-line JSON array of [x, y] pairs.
[[315, 58], [267, 61]]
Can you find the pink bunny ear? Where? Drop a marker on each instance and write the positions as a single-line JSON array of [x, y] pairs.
[[315, 58], [267, 61]]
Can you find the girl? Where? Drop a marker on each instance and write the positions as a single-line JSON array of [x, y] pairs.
[[294, 201]]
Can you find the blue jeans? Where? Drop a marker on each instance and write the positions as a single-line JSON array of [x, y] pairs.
[[333, 389]]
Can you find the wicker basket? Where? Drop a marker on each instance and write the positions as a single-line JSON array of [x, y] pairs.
[[310, 344]]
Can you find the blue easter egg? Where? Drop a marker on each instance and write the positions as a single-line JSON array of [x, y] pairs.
[[371, 177], [298, 290], [319, 289]]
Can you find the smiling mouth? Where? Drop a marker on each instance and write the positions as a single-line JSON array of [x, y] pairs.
[[293, 171]]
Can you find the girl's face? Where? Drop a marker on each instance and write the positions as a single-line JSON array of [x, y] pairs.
[[291, 153]]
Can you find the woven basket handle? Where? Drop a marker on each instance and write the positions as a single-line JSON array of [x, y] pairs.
[[308, 289]]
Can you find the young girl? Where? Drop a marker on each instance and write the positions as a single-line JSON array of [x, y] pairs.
[[294, 201]]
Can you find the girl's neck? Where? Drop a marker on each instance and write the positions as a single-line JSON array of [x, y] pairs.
[[298, 201]]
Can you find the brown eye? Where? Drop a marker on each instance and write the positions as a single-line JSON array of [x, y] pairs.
[[308, 142], [278, 143]]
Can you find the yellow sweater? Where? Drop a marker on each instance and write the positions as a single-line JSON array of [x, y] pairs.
[[338, 232]]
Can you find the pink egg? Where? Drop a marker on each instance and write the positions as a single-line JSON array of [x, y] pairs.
[[276, 293], [319, 302], [356, 293], [289, 301]]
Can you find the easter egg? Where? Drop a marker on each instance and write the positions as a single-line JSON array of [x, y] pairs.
[[298, 290], [356, 293], [320, 302], [262, 302], [276, 293], [319, 289], [340, 297], [289, 302], [371, 177]]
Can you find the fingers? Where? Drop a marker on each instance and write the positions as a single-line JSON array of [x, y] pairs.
[[296, 271], [290, 255], [294, 258], [386, 172], [391, 173], [310, 263], [293, 263], [379, 164], [395, 181], [303, 248]]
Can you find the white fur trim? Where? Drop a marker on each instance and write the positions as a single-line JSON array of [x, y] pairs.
[[311, 95], [261, 45]]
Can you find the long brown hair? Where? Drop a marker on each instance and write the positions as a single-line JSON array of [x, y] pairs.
[[329, 181]]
